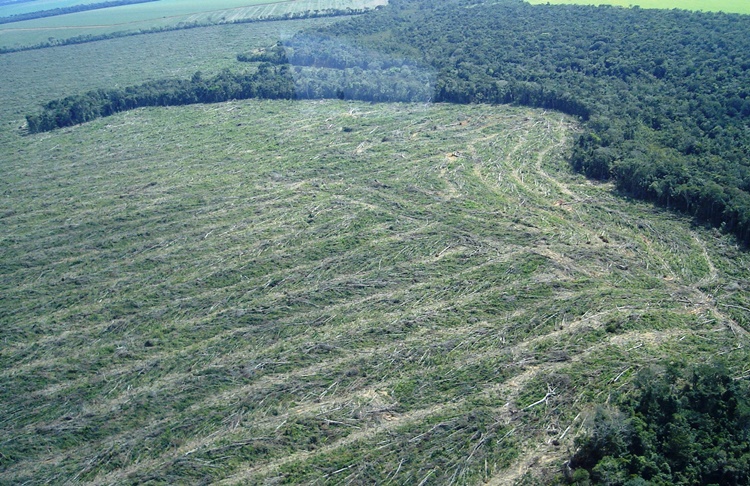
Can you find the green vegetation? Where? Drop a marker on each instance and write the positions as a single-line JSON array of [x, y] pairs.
[[302, 291], [267, 82], [728, 6], [665, 92], [667, 123], [679, 427]]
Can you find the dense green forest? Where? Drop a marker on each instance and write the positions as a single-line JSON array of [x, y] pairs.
[[681, 426], [663, 94], [40, 14]]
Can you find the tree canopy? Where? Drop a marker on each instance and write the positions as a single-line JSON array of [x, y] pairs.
[[679, 426]]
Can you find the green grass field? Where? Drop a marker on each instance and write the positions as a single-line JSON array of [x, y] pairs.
[[164, 13], [727, 6]]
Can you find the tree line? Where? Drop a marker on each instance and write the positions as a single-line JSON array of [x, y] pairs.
[[267, 82], [325, 55]]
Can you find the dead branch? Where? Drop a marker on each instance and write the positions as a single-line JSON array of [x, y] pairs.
[[550, 393]]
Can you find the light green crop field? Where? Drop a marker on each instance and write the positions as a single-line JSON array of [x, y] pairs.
[[38, 5], [164, 13], [727, 6]]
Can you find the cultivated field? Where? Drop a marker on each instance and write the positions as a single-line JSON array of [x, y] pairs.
[[17, 8], [728, 6], [331, 290], [165, 13], [24, 7]]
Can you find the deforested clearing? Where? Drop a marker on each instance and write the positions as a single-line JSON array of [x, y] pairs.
[[330, 290], [316, 290]]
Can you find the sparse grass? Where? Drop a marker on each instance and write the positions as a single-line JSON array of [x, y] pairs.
[[727, 6], [330, 292]]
